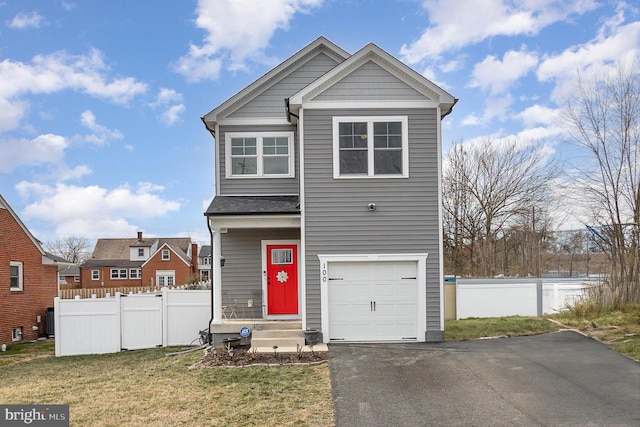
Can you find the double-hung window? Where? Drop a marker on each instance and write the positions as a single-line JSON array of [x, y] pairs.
[[118, 273], [15, 275], [370, 147], [253, 154]]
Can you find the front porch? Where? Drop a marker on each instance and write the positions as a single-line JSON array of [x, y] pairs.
[[286, 335]]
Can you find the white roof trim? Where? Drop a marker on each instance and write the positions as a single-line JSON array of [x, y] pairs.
[[371, 52], [276, 74]]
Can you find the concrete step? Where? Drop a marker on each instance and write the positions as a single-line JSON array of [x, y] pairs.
[[278, 333], [277, 324], [280, 342], [305, 349]]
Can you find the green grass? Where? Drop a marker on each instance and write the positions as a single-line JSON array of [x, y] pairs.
[[146, 388], [511, 326], [620, 329]]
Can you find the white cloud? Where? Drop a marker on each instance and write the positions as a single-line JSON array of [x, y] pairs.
[[44, 149], [173, 113], [236, 31], [453, 27], [26, 20], [56, 72], [171, 102], [614, 43], [94, 211], [538, 114], [101, 135], [497, 76]]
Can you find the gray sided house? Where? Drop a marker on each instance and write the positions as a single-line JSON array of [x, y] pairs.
[[327, 206]]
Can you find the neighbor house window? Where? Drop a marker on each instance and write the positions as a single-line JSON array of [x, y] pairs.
[[16, 334], [135, 273], [118, 273], [268, 154], [141, 252], [165, 278], [206, 260], [165, 255], [15, 274], [95, 274], [370, 147]]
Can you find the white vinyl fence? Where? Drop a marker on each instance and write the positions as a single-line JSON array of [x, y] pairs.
[[514, 297], [128, 322]]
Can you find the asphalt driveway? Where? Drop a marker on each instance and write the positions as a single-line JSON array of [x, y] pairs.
[[561, 378]]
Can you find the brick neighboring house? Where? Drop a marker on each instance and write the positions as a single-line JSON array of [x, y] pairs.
[[28, 279], [140, 261]]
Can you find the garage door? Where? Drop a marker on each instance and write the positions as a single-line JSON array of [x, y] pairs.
[[373, 300]]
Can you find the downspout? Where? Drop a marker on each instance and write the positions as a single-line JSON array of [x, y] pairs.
[[209, 335], [289, 113]]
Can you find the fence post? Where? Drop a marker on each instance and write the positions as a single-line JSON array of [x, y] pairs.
[[539, 297], [118, 309], [165, 316], [56, 324]]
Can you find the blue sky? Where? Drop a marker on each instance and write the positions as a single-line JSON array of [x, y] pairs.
[[100, 101]]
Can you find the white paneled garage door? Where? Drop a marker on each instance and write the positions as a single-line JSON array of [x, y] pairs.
[[372, 300]]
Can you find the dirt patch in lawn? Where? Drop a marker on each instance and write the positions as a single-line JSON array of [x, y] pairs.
[[242, 356]]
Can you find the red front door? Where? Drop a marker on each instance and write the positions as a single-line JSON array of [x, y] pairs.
[[282, 279]]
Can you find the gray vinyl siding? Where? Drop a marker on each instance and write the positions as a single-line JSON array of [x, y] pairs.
[[259, 185], [370, 82], [270, 103], [336, 217], [242, 271]]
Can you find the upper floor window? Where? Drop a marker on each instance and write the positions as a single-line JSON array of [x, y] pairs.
[[141, 252], [268, 154], [15, 275], [370, 147], [165, 255], [206, 260]]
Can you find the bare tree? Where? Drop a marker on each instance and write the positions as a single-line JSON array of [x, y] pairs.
[[73, 249], [486, 189], [603, 119]]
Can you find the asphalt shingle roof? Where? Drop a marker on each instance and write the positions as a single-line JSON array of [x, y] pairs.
[[253, 205]]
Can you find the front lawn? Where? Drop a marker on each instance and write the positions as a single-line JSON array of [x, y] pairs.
[[146, 388]]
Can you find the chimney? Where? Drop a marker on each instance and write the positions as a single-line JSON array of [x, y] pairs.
[[139, 236], [194, 258]]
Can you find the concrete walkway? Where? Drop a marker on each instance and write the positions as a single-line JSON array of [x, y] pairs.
[[561, 378]]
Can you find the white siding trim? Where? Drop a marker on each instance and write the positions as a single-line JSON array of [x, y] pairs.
[[334, 105], [255, 221], [266, 121], [440, 231], [303, 240], [421, 259]]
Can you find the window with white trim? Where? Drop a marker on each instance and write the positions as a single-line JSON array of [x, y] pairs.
[[95, 274], [16, 334], [259, 154], [165, 277], [370, 147], [140, 252], [135, 273], [15, 274], [118, 273], [165, 255]]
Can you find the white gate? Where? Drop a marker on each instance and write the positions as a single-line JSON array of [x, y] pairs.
[[141, 321]]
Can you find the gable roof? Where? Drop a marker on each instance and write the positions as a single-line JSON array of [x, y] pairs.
[[391, 64], [173, 248], [47, 258], [118, 248], [320, 45]]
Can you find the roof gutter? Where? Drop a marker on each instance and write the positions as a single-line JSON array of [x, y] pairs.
[[455, 101], [213, 132]]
